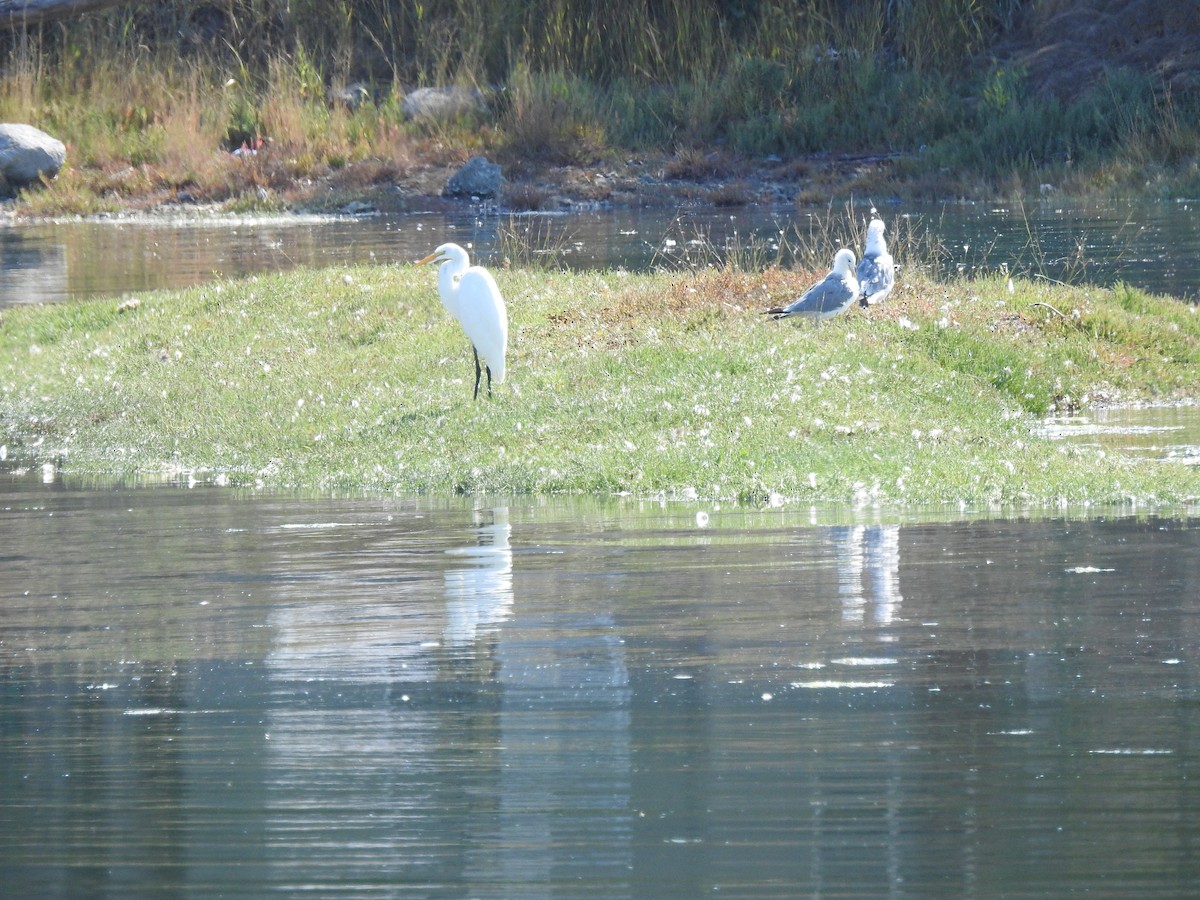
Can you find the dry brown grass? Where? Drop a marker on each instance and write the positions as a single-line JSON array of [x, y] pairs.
[[700, 164], [699, 296], [738, 192]]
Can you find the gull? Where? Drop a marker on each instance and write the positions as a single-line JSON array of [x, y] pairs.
[[876, 270], [836, 292]]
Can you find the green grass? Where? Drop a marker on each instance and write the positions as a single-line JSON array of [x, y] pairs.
[[664, 384]]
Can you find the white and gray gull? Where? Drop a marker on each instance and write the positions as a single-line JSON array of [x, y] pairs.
[[833, 294], [876, 270]]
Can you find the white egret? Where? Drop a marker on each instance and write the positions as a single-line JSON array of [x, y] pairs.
[[876, 270], [831, 295], [472, 297]]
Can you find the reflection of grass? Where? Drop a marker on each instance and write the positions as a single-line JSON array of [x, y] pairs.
[[671, 383]]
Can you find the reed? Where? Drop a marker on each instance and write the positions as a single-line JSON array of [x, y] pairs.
[[534, 243], [167, 87], [807, 245], [554, 117]]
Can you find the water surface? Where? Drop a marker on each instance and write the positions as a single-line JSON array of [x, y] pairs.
[[210, 693], [1155, 246], [1166, 433]]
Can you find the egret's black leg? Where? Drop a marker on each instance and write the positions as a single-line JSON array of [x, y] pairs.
[[478, 372], [489, 371]]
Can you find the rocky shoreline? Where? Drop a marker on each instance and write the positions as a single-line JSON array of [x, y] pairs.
[[712, 180], [698, 181]]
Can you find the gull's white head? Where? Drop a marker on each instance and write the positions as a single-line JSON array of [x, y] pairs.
[[843, 263]]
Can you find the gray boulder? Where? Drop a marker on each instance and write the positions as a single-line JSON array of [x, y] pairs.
[[352, 96], [438, 104], [27, 154], [478, 178]]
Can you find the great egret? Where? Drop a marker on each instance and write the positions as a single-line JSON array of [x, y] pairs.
[[472, 297], [876, 270], [835, 292]]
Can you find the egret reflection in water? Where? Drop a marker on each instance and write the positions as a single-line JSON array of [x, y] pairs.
[[479, 592], [873, 551], [370, 668], [425, 687]]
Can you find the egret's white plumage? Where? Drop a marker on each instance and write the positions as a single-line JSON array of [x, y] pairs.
[[831, 295], [876, 270], [471, 295]]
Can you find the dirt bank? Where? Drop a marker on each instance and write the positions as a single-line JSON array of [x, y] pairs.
[[1066, 45]]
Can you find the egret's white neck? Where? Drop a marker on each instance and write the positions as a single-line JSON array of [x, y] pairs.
[[449, 273]]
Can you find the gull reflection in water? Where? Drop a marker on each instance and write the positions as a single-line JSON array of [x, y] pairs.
[[874, 551], [479, 592]]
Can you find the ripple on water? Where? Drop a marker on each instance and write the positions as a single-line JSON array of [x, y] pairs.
[[201, 700], [1169, 433]]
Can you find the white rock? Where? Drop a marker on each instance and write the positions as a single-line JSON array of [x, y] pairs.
[[441, 103], [27, 154]]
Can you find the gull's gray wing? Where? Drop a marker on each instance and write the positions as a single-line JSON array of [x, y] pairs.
[[827, 297], [876, 278]]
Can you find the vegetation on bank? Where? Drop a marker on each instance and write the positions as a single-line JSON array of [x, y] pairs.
[[667, 384], [151, 99]]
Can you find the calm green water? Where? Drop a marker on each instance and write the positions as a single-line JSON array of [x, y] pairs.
[[1155, 246], [205, 693]]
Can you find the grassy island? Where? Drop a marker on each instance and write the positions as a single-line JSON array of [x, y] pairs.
[[669, 384]]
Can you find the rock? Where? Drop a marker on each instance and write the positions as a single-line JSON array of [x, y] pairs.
[[438, 104], [353, 95], [27, 154], [478, 178]]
